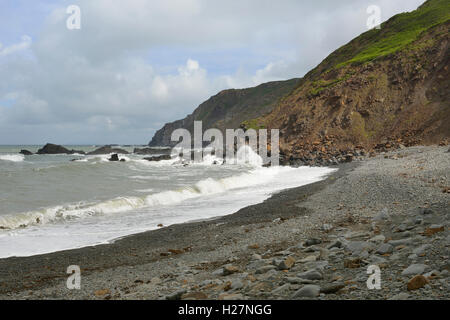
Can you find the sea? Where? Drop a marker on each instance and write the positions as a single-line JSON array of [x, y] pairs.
[[50, 203]]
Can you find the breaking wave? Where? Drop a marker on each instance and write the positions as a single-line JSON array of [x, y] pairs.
[[123, 204], [12, 157]]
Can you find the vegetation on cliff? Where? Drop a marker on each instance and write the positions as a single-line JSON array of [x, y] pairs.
[[230, 109], [394, 35], [388, 86]]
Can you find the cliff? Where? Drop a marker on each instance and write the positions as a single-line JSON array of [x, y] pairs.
[[229, 109], [386, 88]]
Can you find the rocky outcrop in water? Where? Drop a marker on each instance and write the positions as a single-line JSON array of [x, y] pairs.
[[115, 158], [159, 158], [151, 151], [50, 148], [26, 152], [107, 150]]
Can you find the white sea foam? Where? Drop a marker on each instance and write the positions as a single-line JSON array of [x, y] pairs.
[[142, 190], [244, 156], [202, 190], [161, 163], [12, 157], [122, 204]]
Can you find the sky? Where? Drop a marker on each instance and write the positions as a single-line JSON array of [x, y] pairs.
[[134, 65]]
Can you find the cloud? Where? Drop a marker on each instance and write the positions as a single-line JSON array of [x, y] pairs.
[[24, 44], [135, 65]]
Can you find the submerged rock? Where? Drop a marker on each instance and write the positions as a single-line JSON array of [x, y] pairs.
[[152, 151], [107, 150], [26, 152], [159, 158]]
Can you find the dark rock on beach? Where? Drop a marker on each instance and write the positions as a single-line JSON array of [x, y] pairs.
[[107, 150], [50, 148]]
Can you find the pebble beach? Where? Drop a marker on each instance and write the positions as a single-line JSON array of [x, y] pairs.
[[317, 241]]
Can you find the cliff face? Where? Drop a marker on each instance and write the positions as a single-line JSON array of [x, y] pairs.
[[229, 109], [386, 87]]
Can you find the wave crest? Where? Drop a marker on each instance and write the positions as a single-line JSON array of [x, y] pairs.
[[12, 157], [122, 204]]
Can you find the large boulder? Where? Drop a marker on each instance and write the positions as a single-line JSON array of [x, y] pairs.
[[107, 150], [51, 148]]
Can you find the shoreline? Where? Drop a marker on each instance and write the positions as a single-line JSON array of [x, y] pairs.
[[159, 263], [207, 198], [128, 242]]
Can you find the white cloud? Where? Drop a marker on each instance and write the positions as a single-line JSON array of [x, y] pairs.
[[103, 82], [24, 44], [159, 88]]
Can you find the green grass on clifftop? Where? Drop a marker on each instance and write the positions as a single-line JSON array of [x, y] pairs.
[[394, 35]]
